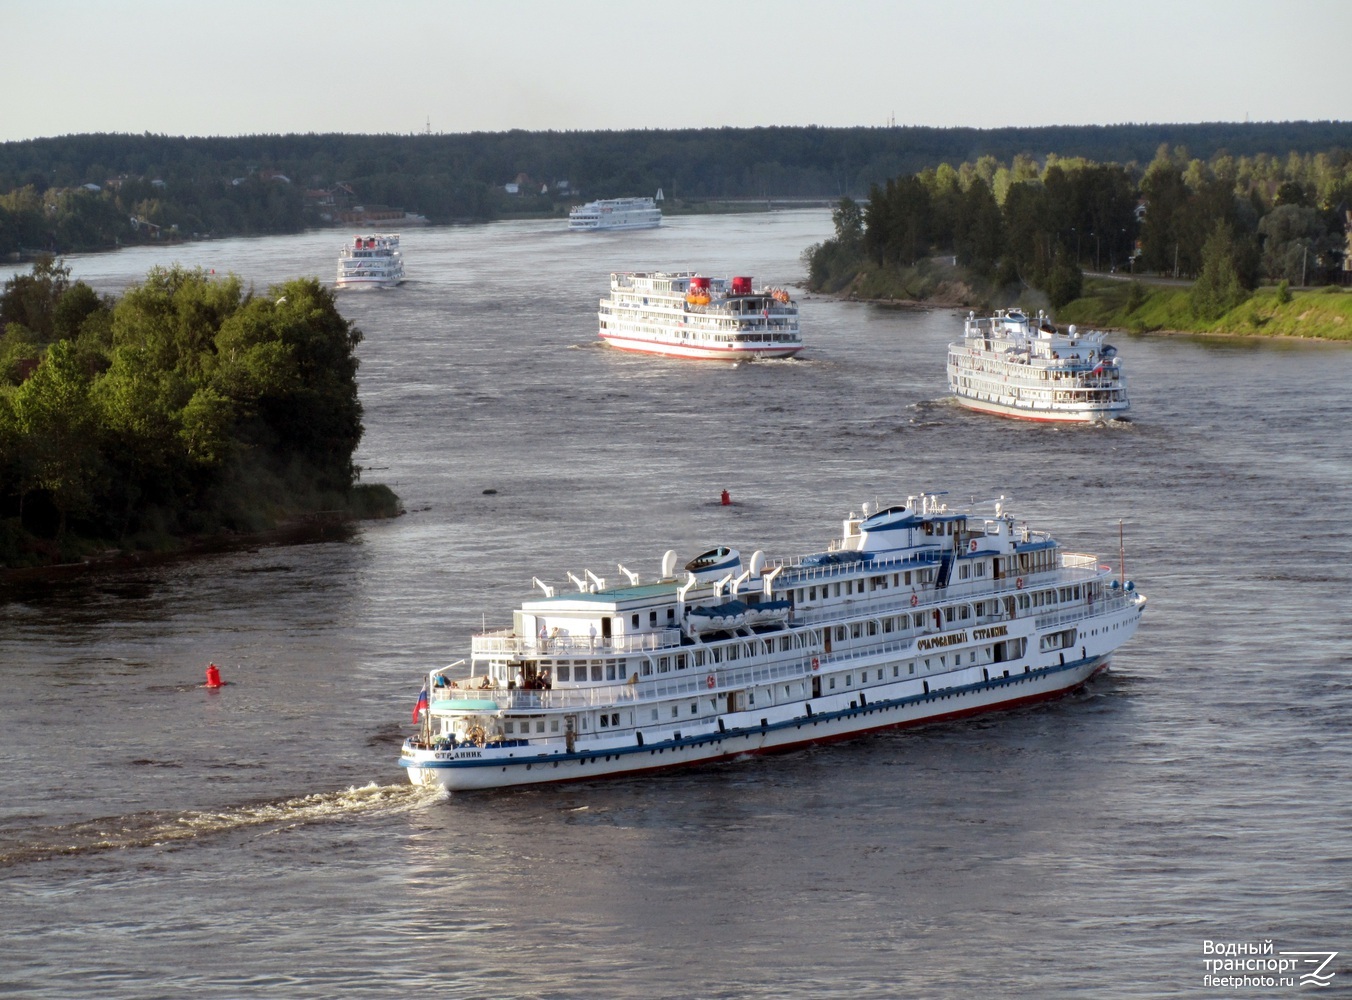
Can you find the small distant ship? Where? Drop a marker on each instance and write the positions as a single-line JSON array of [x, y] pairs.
[[1009, 365], [371, 261], [916, 613], [686, 315], [615, 213]]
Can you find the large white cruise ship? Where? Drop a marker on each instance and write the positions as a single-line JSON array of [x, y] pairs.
[[1008, 365], [917, 613], [690, 316], [616, 213], [373, 261]]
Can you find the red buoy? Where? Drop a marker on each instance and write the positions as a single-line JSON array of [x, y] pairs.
[[214, 676], [726, 499]]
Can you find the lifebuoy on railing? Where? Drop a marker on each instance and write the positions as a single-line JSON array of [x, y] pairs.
[[1019, 583], [972, 546], [915, 599], [709, 682], [816, 663]]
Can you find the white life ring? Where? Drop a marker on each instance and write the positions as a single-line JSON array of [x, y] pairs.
[[972, 547], [1019, 583], [816, 664], [915, 599], [709, 682]]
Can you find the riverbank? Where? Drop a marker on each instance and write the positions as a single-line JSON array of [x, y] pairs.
[[1111, 303], [1313, 314]]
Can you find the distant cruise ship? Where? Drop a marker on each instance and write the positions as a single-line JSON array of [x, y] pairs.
[[616, 213], [372, 261], [687, 315], [1009, 365]]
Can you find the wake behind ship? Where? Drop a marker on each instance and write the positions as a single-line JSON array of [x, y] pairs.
[[917, 613]]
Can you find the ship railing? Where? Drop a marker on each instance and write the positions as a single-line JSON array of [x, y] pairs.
[[504, 642], [693, 682], [826, 571], [1064, 616]]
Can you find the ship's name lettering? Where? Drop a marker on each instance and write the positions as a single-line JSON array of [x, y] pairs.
[[952, 639], [994, 632]]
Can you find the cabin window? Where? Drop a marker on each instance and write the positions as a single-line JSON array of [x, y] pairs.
[[634, 621], [694, 708], [654, 715], [837, 590], [663, 664], [833, 684], [785, 644], [614, 718], [849, 679], [675, 712], [856, 630], [896, 670], [717, 654], [622, 668], [699, 657], [812, 593], [553, 725], [872, 628], [562, 672], [596, 671], [888, 624], [906, 578], [963, 571], [948, 614], [680, 662], [652, 618], [605, 720], [647, 668], [510, 727], [910, 668]]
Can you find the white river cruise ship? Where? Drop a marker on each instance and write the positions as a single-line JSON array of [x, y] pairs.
[[917, 613], [1014, 367], [615, 213], [373, 261], [690, 316]]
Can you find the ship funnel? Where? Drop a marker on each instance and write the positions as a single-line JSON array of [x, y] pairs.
[[669, 565]]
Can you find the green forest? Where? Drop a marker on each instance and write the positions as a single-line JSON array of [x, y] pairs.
[[87, 192], [187, 407], [1228, 224]]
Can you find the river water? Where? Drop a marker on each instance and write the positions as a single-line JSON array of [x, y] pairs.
[[161, 840]]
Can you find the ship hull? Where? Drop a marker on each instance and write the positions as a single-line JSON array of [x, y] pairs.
[[1087, 415], [815, 722], [709, 353]]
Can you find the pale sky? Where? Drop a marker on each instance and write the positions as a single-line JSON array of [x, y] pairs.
[[216, 67]]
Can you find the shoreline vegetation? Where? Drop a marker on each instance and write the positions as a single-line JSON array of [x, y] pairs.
[[1231, 247], [189, 413], [1144, 305]]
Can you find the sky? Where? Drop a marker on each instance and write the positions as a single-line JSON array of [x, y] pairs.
[[189, 67]]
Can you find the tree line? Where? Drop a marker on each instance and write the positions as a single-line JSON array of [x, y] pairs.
[[1234, 221], [217, 186], [188, 406]]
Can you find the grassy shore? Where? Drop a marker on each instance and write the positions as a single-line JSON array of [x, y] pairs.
[[1110, 304], [1322, 314]]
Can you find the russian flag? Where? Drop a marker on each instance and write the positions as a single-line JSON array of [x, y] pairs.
[[421, 707]]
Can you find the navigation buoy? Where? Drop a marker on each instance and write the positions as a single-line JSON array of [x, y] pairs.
[[214, 676], [725, 499]]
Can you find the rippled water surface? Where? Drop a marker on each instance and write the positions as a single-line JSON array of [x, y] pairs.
[[161, 840]]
